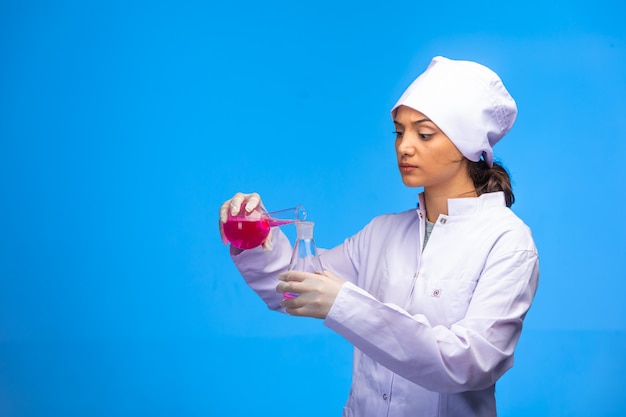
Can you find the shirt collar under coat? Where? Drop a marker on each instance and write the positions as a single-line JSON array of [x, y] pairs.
[[466, 206]]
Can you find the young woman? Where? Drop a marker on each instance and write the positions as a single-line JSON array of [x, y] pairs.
[[433, 299]]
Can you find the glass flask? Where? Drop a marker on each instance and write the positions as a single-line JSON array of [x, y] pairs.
[[249, 230], [304, 256]]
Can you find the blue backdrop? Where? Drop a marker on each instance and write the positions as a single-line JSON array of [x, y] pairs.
[[125, 124]]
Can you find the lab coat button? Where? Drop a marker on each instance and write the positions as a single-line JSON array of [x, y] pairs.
[[385, 397]]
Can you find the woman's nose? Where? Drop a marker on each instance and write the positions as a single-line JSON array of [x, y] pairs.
[[404, 146]]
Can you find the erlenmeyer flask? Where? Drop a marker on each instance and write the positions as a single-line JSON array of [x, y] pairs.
[[249, 230], [304, 256]]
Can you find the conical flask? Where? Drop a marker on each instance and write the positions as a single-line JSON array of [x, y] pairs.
[[304, 256]]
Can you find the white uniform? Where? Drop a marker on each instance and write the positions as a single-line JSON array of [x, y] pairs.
[[433, 330]]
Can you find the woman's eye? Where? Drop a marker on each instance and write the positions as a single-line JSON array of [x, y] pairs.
[[425, 136], [397, 133]]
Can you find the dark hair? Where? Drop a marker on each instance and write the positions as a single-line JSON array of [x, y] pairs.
[[488, 180]]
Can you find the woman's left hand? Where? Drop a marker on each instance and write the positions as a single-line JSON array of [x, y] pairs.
[[316, 292]]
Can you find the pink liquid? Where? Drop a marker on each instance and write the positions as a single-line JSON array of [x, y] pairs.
[[276, 223], [245, 234]]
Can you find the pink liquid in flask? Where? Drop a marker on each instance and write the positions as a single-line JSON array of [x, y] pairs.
[[250, 230], [246, 234]]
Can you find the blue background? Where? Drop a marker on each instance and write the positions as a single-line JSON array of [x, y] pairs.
[[125, 124]]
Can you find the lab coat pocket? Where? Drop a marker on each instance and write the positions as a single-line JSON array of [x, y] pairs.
[[443, 301]]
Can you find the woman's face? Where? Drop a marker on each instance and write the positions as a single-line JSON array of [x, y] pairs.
[[426, 157]]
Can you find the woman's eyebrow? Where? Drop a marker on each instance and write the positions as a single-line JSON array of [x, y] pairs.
[[426, 119]]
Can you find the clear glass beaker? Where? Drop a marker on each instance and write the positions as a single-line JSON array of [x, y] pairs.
[[249, 230], [304, 256]]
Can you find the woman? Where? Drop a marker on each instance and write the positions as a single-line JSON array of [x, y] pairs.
[[433, 299]]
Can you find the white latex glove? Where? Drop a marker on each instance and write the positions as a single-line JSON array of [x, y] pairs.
[[316, 292], [234, 205]]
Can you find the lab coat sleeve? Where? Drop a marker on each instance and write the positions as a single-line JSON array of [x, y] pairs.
[[472, 353], [260, 268]]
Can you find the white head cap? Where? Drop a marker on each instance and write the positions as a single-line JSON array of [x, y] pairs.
[[467, 101]]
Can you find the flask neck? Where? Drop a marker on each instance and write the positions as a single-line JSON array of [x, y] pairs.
[[305, 230]]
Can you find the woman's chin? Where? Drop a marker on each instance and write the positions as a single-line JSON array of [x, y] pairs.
[[411, 182]]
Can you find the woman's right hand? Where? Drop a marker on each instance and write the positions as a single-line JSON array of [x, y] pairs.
[[234, 206]]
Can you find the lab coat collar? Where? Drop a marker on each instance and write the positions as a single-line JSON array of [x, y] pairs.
[[468, 205]]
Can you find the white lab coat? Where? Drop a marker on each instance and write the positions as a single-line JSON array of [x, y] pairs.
[[433, 330]]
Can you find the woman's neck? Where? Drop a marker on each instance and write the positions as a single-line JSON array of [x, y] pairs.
[[437, 201]]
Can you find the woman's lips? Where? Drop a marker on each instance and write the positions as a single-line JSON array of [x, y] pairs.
[[407, 167]]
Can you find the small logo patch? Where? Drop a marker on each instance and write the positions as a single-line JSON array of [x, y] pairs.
[[436, 293]]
